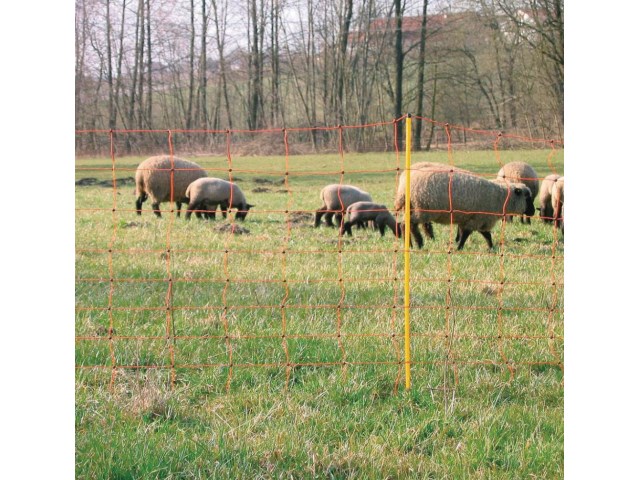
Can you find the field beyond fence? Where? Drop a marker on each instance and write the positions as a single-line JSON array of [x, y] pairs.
[[186, 319]]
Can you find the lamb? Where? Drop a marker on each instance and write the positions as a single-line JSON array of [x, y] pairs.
[[335, 199], [546, 206], [362, 212], [521, 172], [207, 193], [557, 201], [153, 179], [477, 203]]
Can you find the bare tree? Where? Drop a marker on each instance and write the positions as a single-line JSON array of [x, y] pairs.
[[202, 82], [540, 23], [192, 50], [422, 60], [342, 57], [220, 9]]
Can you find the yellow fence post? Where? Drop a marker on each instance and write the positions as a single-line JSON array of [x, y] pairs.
[[407, 240]]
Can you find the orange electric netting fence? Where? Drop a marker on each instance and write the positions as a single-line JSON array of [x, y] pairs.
[[281, 296]]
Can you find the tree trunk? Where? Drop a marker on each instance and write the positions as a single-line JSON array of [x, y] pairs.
[[421, 67], [342, 59], [202, 88], [433, 107], [221, 27], [149, 120], [399, 58]]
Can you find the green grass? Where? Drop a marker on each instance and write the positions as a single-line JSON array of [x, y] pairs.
[[328, 399]]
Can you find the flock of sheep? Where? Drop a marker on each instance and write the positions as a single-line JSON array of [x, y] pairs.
[[439, 194]]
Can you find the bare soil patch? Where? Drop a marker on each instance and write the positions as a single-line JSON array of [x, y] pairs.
[[266, 181], [232, 228], [90, 181]]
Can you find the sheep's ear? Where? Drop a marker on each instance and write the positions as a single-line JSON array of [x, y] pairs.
[[249, 206]]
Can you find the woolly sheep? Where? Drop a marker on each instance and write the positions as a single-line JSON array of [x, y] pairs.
[[362, 212], [335, 199], [485, 200], [153, 180], [520, 172], [557, 201], [208, 193], [546, 206], [428, 227]]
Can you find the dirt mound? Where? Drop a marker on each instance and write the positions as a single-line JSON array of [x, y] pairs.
[[266, 181], [261, 190], [300, 217], [133, 224], [86, 182], [232, 228]]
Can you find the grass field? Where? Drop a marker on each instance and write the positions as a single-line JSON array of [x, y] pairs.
[[225, 370]]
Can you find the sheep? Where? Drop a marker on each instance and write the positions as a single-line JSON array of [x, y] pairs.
[[428, 227], [546, 206], [476, 203], [557, 201], [362, 212], [335, 199], [520, 172], [153, 179], [208, 193]]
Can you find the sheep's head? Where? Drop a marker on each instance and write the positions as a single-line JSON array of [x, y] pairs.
[[242, 212], [520, 190]]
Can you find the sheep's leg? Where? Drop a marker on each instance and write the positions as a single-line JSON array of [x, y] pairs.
[[464, 234], [178, 207], [139, 201], [487, 237], [428, 230], [339, 218], [402, 228], [190, 208], [211, 212], [224, 209], [156, 209], [328, 219], [319, 213], [415, 231]]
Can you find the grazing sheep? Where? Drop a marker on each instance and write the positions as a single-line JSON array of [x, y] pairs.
[[153, 179], [428, 227], [335, 199], [362, 212], [208, 193], [557, 201], [476, 203], [520, 172], [546, 206]]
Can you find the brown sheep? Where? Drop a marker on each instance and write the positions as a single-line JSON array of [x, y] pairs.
[[153, 180]]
